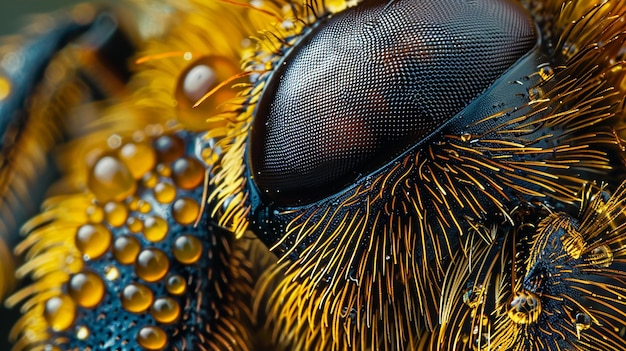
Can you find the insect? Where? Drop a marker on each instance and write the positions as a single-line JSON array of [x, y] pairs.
[[318, 175]]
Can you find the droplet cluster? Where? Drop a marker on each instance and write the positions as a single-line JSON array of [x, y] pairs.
[[145, 248]]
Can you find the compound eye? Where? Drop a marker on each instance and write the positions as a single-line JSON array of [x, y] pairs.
[[372, 81]]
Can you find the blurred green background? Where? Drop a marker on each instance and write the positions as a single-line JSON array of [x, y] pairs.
[[14, 14]]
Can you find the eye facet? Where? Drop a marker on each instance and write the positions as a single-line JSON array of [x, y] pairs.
[[372, 81]]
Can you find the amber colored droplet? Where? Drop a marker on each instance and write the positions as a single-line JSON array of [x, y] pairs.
[[525, 308], [51, 348], [165, 310], [176, 285], [151, 265], [187, 249], [93, 240], [188, 173], [573, 243], [59, 312], [185, 210], [111, 272], [5, 88], [601, 256], [115, 214], [126, 249], [134, 224], [164, 193], [200, 77], [473, 297], [136, 298], [152, 338], [150, 180], [87, 289], [546, 72], [164, 170], [155, 228], [583, 322], [143, 206], [95, 214], [139, 158], [82, 332], [169, 148], [110, 179], [198, 81]]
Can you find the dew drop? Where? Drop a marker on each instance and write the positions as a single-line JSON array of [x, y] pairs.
[[138, 158], [93, 240], [185, 210], [82, 332], [524, 308], [136, 298], [87, 289], [152, 338], [115, 214], [187, 249], [126, 249], [164, 193], [155, 228], [151, 265], [601, 256], [176, 285], [198, 82], [583, 322], [169, 148], [110, 179], [59, 312], [165, 310], [188, 173]]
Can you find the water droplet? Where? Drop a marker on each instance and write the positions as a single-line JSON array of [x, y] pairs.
[[93, 240], [136, 298], [546, 72], [134, 224], [198, 81], [151, 265], [176, 285], [152, 338], [59, 312], [95, 214], [155, 228], [466, 137], [87, 289], [138, 158], [535, 93], [185, 210], [126, 249], [169, 148], [115, 214], [524, 308], [583, 322], [473, 297], [111, 272], [601, 256], [164, 193], [165, 310], [188, 173], [110, 179], [82, 332], [573, 243], [187, 249]]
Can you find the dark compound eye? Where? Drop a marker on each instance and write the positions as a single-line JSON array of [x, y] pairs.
[[368, 83]]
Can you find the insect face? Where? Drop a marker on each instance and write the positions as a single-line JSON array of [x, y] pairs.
[[364, 85]]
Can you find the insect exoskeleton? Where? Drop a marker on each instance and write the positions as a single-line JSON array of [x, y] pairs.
[[381, 141]]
